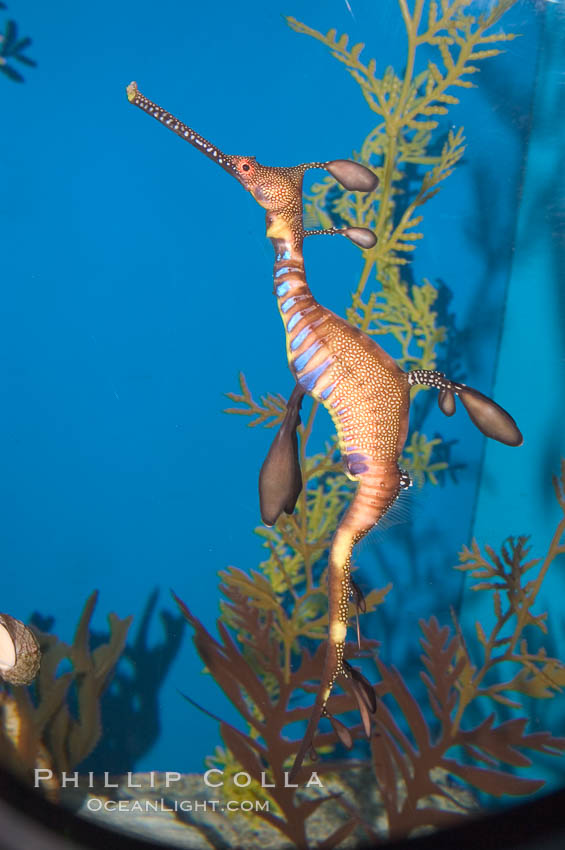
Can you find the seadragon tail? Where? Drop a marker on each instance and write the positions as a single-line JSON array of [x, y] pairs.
[[378, 488]]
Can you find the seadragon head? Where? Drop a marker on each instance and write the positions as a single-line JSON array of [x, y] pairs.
[[277, 189]]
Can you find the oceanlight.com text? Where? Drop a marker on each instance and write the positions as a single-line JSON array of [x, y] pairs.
[[162, 805]]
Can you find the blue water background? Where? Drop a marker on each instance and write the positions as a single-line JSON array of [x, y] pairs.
[[136, 285]]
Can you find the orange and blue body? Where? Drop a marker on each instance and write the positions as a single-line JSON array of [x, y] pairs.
[[361, 386]]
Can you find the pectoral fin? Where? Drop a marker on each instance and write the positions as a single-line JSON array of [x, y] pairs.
[[489, 417], [280, 479], [358, 596]]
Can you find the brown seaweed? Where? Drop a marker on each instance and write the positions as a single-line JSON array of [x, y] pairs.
[[249, 671], [40, 725], [407, 750], [419, 753], [489, 752]]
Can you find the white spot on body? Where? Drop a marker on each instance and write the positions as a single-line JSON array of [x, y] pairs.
[[338, 632]]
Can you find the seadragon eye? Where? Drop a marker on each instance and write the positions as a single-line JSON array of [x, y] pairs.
[[246, 166]]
